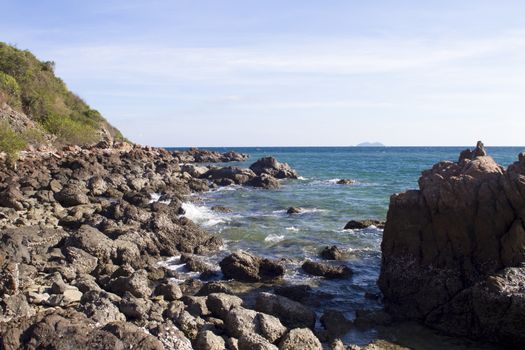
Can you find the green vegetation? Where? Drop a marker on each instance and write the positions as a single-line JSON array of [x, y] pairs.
[[30, 86], [11, 142]]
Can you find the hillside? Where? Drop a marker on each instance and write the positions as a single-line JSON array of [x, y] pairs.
[[36, 106]]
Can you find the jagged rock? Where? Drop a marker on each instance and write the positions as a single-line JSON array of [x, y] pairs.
[[252, 341], [220, 304], [237, 175], [72, 195], [264, 181], [11, 197], [444, 242], [99, 307], [331, 253], [207, 340], [300, 338], [221, 209], [361, 224], [240, 322], [245, 267], [294, 210], [325, 270], [291, 313], [133, 336], [137, 284], [346, 182], [368, 318], [92, 241], [270, 166], [170, 291], [297, 293]]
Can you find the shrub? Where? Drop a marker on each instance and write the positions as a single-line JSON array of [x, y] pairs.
[[11, 142], [10, 90], [69, 131]]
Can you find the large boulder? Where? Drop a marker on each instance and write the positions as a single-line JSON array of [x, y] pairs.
[[326, 270], [291, 313], [300, 338], [270, 166], [240, 322], [445, 245], [237, 175], [245, 267]]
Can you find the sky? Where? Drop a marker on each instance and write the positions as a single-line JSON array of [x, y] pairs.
[[288, 73]]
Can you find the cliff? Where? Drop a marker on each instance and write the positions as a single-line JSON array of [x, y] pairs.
[[453, 249]]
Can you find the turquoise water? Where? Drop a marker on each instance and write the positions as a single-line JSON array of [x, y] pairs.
[[259, 223]]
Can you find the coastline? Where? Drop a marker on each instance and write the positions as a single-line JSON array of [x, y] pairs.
[[134, 285]]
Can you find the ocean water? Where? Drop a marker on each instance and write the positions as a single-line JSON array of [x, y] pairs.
[[258, 222]]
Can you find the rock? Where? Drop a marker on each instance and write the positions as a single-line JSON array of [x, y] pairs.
[[134, 308], [134, 337], [294, 210], [98, 186], [240, 321], [335, 323], [245, 267], [297, 293], [207, 340], [195, 264], [194, 170], [196, 305], [82, 262], [72, 195], [444, 241], [252, 341], [11, 197], [270, 166], [264, 181], [220, 304], [99, 307], [221, 209], [361, 224], [332, 253], [59, 330], [237, 175], [137, 284], [92, 241], [170, 291], [325, 270], [300, 338], [345, 182], [291, 313]]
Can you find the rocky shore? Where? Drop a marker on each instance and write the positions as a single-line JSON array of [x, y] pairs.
[[453, 251], [85, 236]]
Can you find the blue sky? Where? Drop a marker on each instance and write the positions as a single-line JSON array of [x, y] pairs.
[[288, 73]]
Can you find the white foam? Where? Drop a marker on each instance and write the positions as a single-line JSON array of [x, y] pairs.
[[155, 197], [302, 178], [202, 215], [333, 181], [292, 228], [273, 238]]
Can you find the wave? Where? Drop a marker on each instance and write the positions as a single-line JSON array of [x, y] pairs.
[[292, 228], [303, 211], [273, 238], [202, 215], [302, 178], [155, 197]]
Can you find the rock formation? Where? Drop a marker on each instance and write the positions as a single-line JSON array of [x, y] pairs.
[[453, 250]]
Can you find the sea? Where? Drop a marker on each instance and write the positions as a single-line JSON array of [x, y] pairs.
[[258, 221]]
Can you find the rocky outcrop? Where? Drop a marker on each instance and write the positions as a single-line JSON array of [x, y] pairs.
[[361, 224], [453, 250], [245, 267], [270, 166], [326, 270], [196, 155]]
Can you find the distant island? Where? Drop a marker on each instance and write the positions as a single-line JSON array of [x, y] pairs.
[[370, 144]]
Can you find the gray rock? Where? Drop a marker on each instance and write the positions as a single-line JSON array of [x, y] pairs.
[[291, 313], [220, 304], [325, 270], [207, 340], [246, 267], [300, 338], [252, 341]]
